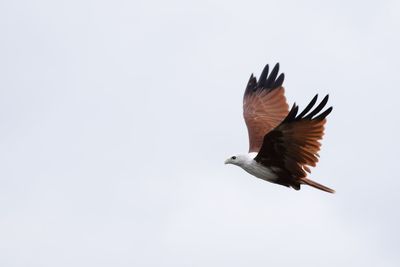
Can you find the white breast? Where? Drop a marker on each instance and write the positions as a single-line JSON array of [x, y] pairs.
[[258, 170]]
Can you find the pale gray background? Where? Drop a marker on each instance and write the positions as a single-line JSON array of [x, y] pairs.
[[116, 117]]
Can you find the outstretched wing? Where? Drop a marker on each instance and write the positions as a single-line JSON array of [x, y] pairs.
[[264, 105], [294, 144]]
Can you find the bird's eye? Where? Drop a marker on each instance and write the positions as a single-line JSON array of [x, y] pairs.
[[233, 157]]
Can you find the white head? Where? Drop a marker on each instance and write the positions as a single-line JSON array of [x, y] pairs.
[[239, 160]]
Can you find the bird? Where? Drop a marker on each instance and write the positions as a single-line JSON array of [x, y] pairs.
[[283, 143]]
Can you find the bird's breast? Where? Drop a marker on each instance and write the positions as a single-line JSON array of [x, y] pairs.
[[260, 171]]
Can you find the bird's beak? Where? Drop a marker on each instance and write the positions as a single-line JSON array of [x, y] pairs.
[[226, 161]]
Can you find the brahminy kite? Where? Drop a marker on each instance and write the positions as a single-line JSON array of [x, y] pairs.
[[282, 144]]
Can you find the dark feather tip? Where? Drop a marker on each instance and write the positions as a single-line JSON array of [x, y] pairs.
[[263, 76], [309, 107], [318, 108]]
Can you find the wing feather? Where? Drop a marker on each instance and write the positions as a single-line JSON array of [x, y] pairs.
[[264, 105], [295, 143]]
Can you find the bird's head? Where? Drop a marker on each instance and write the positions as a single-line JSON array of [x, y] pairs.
[[237, 160]]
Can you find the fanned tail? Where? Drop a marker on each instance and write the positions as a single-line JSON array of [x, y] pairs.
[[317, 185]]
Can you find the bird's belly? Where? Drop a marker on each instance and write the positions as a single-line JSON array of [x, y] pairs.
[[260, 171]]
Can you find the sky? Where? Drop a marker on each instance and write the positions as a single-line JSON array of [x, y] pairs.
[[116, 118]]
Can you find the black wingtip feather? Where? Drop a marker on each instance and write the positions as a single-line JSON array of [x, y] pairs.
[[279, 81], [292, 113], [264, 75], [291, 117], [271, 79], [251, 84], [309, 107], [318, 108], [266, 82], [324, 114]]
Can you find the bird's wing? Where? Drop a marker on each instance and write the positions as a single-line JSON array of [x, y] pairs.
[[264, 105], [294, 144]]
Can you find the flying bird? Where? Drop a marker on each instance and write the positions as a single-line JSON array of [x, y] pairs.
[[283, 144]]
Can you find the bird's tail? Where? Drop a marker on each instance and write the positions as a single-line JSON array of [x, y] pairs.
[[317, 185]]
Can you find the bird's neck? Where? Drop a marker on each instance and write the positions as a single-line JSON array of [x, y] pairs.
[[246, 159], [252, 155]]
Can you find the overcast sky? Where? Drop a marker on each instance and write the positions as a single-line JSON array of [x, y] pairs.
[[116, 118]]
